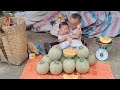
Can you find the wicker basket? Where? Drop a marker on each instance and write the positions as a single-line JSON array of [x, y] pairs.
[[13, 41]]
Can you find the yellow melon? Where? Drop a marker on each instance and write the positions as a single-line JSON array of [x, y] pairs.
[[65, 76], [68, 53], [105, 40]]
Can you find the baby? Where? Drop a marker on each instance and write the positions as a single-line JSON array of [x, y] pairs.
[[73, 36], [75, 30], [64, 40], [68, 37], [63, 37]]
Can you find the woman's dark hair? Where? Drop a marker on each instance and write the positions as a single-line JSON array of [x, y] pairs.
[[63, 23], [76, 16]]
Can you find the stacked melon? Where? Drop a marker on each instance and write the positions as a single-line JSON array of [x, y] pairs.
[[67, 60], [51, 62]]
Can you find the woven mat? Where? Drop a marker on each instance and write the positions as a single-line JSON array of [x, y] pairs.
[[101, 70]]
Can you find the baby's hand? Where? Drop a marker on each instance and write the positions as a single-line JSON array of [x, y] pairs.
[[66, 36], [70, 36], [69, 39], [56, 46], [79, 26]]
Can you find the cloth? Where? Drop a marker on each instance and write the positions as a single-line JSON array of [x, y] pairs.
[[53, 43], [60, 36], [75, 42], [100, 70], [94, 23], [97, 23], [64, 44], [46, 25], [36, 18], [100, 23]]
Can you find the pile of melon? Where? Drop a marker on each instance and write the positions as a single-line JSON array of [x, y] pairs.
[[66, 60]]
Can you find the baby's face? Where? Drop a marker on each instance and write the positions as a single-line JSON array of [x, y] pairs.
[[73, 23], [64, 30]]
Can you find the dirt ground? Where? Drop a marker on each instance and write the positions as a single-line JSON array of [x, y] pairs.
[[13, 72]]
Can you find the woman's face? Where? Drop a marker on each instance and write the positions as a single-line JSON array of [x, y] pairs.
[[64, 29], [73, 23]]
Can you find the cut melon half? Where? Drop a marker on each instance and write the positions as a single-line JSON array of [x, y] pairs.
[[105, 40]]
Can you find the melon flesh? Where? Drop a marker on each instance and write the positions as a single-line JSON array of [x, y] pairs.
[[105, 40], [69, 53]]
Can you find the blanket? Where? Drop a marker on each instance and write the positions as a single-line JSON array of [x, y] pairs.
[[36, 18], [94, 23], [100, 23]]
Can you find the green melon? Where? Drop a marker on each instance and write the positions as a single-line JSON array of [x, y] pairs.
[[55, 53], [82, 52], [75, 58], [91, 59], [69, 65], [46, 59], [42, 67], [82, 66], [56, 67], [62, 59]]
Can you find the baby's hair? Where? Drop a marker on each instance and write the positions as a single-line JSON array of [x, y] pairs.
[[63, 23], [76, 16]]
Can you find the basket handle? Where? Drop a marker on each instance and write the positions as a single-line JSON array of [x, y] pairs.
[[2, 47], [1, 31]]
